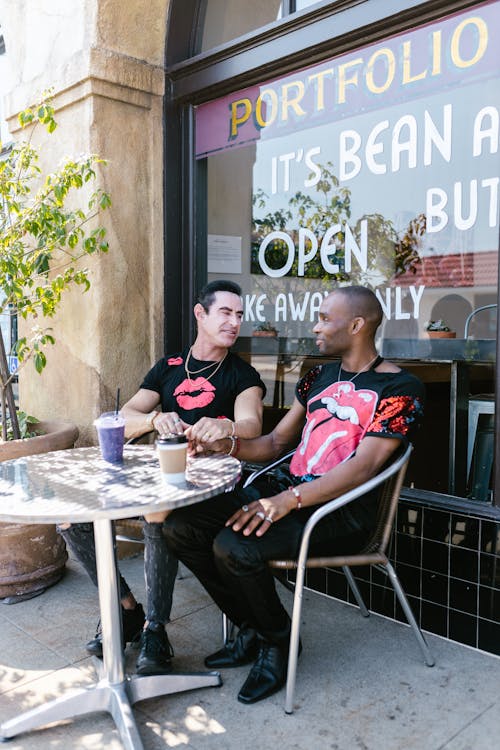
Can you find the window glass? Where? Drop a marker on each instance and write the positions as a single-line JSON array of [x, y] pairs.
[[379, 167], [228, 19], [302, 4]]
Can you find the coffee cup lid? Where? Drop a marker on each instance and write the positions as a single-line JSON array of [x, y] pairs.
[[171, 439]]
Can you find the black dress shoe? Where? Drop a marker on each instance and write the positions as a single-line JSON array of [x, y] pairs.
[[132, 624], [156, 651], [267, 676], [243, 650]]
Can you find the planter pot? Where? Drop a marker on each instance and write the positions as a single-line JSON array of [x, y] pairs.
[[32, 556], [265, 334], [52, 436], [441, 334]]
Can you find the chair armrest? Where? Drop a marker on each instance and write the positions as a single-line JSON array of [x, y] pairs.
[[397, 467], [362, 489], [258, 472], [137, 438]]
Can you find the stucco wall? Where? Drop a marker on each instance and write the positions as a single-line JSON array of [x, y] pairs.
[[103, 59]]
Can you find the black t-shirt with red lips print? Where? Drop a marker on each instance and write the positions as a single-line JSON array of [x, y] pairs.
[[196, 397], [340, 414]]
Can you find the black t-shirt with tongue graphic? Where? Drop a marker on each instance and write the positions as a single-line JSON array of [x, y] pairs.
[[340, 411]]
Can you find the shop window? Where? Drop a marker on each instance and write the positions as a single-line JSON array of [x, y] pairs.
[[378, 167], [302, 4], [227, 20]]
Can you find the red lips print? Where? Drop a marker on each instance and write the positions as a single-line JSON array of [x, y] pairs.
[[194, 394], [175, 361]]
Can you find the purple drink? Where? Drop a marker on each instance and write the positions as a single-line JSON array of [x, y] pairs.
[[111, 434]]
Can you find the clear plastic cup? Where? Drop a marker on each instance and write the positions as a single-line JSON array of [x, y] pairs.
[[111, 433], [172, 454]]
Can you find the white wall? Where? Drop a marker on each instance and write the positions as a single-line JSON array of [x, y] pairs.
[[4, 132]]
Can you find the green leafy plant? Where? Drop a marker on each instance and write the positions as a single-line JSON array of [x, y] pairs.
[[266, 327], [436, 325], [26, 426], [44, 235], [390, 253]]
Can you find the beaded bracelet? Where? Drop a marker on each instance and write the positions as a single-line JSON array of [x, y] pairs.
[[295, 491], [235, 445]]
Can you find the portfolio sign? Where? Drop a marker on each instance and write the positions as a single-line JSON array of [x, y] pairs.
[[424, 61]]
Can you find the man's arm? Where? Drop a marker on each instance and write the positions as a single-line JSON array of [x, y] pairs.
[[267, 447], [140, 412], [248, 408], [371, 454]]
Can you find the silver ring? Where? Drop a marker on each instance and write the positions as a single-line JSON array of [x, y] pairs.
[[244, 508], [206, 436], [176, 420], [269, 519], [261, 514]]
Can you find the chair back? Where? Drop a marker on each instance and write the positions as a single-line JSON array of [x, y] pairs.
[[387, 505], [390, 481]]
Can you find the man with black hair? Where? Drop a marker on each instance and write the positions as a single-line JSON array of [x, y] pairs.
[[208, 393], [348, 418]]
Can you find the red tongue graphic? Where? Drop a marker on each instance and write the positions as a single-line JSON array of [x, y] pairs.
[[194, 394], [341, 417]]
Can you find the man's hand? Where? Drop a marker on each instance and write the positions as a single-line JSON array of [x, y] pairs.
[[167, 422], [259, 515], [203, 435]]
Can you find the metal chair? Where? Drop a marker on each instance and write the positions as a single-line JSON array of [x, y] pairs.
[[473, 313], [389, 481]]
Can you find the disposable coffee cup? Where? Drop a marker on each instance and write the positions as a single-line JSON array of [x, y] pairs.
[[172, 452], [111, 433]]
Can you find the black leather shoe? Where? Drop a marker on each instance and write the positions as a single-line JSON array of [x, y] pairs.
[[242, 650], [267, 676], [156, 651], [132, 623]]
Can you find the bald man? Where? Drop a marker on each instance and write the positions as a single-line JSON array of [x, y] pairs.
[[349, 418]]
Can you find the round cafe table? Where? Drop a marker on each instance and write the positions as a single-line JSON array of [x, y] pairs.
[[77, 485]]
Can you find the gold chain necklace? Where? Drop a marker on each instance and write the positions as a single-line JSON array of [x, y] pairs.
[[363, 369], [207, 367]]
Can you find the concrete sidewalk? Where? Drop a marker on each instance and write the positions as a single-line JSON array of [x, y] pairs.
[[361, 682]]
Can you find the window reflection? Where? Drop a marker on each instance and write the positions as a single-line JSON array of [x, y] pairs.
[[226, 20], [379, 167], [302, 4]]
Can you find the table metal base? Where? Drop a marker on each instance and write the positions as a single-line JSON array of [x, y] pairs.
[[116, 699], [115, 692]]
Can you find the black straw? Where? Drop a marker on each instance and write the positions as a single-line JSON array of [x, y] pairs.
[[117, 402]]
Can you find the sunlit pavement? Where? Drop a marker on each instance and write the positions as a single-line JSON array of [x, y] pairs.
[[361, 683]]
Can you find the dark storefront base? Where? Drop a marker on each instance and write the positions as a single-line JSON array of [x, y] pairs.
[[449, 566]]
